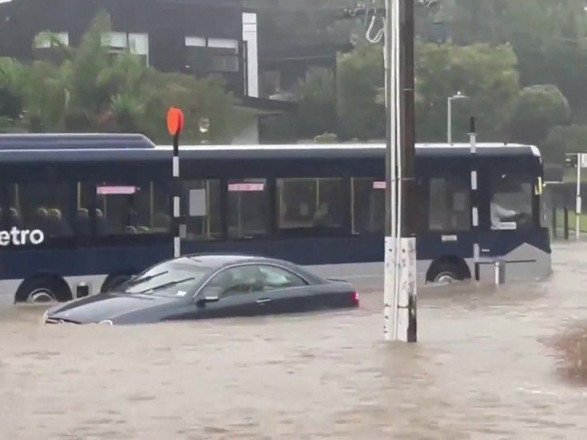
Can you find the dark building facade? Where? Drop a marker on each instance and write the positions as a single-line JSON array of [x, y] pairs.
[[202, 37]]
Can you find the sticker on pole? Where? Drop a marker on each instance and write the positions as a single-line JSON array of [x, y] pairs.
[[175, 121]]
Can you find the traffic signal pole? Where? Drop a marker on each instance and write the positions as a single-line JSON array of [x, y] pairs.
[[175, 124]]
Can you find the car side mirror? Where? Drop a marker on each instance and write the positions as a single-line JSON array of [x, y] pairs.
[[209, 295]]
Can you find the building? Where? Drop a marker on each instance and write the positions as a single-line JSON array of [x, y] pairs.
[[201, 37]]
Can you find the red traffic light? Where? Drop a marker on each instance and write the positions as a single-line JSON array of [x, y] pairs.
[[175, 121]]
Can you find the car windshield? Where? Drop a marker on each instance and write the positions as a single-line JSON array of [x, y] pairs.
[[175, 278]]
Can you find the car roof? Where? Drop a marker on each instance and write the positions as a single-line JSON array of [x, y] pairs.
[[217, 261]]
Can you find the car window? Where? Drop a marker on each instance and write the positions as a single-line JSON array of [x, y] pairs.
[[238, 280], [254, 278], [278, 278], [173, 278]]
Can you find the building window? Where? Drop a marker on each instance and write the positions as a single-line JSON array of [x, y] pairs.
[[212, 55], [248, 208], [449, 204], [47, 40], [135, 43], [223, 61], [310, 203]]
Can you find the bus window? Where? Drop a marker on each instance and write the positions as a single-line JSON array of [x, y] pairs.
[[449, 204], [82, 223], [160, 208], [511, 202], [204, 221], [45, 206], [248, 208], [368, 205], [305, 203], [132, 209], [11, 212]]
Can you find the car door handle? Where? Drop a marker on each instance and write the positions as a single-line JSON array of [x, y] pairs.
[[263, 301]]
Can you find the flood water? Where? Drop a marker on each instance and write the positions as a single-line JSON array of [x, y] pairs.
[[484, 369]]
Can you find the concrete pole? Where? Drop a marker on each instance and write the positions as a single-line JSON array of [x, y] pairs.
[[400, 318], [390, 295]]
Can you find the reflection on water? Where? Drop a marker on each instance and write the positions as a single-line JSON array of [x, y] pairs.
[[480, 370]]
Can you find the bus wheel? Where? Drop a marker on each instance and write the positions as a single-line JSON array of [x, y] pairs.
[[113, 282], [447, 272], [43, 290]]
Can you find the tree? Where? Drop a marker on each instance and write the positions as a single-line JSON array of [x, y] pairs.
[[564, 139], [283, 23], [198, 98], [550, 39], [486, 74], [537, 109], [11, 102], [473, 21], [360, 77], [317, 104], [89, 89]]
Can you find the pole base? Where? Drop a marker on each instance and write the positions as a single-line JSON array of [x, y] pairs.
[[400, 297]]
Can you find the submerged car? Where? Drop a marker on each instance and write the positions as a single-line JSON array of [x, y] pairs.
[[209, 286]]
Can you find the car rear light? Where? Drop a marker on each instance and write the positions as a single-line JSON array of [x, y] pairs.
[[356, 298]]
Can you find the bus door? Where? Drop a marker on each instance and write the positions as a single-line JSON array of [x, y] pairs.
[[509, 214], [449, 232], [201, 210]]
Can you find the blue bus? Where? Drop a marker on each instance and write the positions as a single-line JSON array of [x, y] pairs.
[[80, 214]]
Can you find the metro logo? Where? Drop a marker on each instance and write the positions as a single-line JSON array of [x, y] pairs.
[[18, 237]]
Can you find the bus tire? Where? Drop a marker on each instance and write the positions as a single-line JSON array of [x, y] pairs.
[[448, 271], [114, 281], [43, 289]]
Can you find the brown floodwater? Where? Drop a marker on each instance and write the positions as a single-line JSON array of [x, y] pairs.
[[485, 367]]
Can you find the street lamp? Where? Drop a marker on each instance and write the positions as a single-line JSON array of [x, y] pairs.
[[458, 96], [204, 127]]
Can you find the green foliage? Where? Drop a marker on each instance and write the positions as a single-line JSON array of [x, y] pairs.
[[536, 111], [360, 77], [11, 102], [93, 90], [564, 139], [317, 109], [486, 74]]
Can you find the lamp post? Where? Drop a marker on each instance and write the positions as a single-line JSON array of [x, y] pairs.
[[458, 96], [204, 127]]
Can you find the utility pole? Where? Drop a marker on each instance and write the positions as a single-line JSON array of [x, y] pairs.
[[401, 216], [400, 292]]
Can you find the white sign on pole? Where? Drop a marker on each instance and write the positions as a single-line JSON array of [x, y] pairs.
[[583, 160], [197, 203]]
